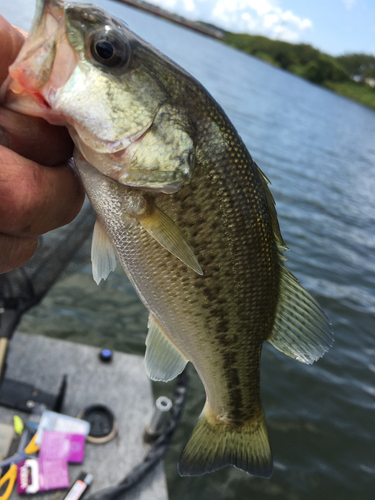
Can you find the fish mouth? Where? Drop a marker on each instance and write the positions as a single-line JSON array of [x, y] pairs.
[[43, 66], [35, 61], [34, 77], [16, 98]]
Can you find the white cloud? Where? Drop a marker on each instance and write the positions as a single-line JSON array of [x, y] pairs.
[[349, 4], [260, 16], [249, 16], [166, 4], [189, 5]]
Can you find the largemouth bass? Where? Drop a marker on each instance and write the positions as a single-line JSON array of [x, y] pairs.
[[187, 212]]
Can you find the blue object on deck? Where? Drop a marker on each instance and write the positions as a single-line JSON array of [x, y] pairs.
[[105, 355]]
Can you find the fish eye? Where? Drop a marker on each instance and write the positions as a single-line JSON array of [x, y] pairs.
[[104, 50], [109, 50]]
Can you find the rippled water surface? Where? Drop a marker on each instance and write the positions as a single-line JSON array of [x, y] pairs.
[[318, 150]]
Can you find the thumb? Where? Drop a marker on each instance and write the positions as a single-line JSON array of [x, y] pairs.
[[11, 41]]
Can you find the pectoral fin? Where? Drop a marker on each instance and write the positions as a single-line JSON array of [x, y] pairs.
[[163, 360], [103, 256], [166, 232]]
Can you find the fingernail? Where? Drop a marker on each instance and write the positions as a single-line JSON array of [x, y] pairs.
[[4, 138]]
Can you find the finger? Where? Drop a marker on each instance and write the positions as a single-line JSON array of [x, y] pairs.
[[11, 42], [34, 198], [18, 132], [23, 32], [14, 252], [34, 138]]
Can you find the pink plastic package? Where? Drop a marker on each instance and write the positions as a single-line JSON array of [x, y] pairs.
[[36, 475], [50, 470], [62, 445]]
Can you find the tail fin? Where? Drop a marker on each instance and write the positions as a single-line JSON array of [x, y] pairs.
[[215, 444]]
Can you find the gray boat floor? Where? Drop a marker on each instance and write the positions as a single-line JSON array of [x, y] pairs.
[[122, 385]]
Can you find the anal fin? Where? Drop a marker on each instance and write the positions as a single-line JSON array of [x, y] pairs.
[[301, 329], [163, 360], [103, 255]]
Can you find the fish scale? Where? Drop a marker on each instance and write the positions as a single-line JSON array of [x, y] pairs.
[[185, 209]]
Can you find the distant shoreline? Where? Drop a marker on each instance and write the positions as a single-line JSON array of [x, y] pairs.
[[338, 74], [200, 27]]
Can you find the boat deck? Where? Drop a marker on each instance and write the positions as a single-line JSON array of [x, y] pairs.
[[122, 385]]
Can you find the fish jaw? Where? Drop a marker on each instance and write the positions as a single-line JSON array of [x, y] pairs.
[[34, 63], [43, 65], [50, 79], [115, 118]]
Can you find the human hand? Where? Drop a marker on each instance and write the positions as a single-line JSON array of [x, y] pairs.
[[39, 190]]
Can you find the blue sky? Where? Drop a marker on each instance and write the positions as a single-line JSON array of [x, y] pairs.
[[333, 26]]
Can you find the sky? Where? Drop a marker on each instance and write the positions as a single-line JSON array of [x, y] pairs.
[[333, 26]]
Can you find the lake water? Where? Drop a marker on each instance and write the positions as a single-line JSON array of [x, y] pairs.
[[318, 150]]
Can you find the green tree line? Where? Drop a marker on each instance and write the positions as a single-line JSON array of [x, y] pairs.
[[346, 74]]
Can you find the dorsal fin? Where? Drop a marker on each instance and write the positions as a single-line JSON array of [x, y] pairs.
[[103, 255], [272, 206], [301, 329], [163, 360]]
